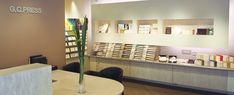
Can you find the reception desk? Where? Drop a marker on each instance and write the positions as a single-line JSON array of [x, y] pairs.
[[67, 83]]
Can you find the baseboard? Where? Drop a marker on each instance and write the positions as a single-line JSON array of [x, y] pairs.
[[177, 87]]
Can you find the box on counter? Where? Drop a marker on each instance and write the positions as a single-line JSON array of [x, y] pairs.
[[199, 62], [213, 63], [219, 64], [226, 65], [225, 58], [162, 58], [212, 57], [231, 59], [232, 65], [172, 59]]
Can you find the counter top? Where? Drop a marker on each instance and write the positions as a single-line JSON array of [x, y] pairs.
[[67, 83], [166, 63]]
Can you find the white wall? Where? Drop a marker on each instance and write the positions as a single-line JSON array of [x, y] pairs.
[[167, 9], [23, 35], [231, 24]]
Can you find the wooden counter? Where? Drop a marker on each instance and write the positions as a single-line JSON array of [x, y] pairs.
[[67, 83]]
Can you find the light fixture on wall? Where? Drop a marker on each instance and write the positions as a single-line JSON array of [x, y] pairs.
[[113, 1]]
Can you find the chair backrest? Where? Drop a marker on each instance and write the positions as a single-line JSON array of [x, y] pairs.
[[37, 59], [114, 73], [72, 67]]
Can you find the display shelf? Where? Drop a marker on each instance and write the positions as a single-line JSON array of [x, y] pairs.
[[124, 26], [117, 52], [103, 26], [139, 52], [100, 49], [147, 26], [166, 63], [188, 26], [152, 53], [127, 51]]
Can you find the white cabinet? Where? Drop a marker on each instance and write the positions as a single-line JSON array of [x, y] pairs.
[[157, 72], [200, 77]]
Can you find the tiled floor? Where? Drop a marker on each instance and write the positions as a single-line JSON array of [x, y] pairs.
[[140, 89]]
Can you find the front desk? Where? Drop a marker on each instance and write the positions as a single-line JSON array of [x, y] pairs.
[[33, 79]]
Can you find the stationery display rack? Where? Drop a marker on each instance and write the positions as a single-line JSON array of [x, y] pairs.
[[139, 52], [117, 52], [126, 51], [101, 49], [70, 40], [152, 53]]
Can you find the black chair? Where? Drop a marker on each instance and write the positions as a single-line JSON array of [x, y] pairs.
[[72, 67], [40, 59], [114, 73], [93, 73]]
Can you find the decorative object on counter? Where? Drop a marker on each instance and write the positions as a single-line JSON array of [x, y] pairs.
[[81, 26], [172, 59], [162, 58]]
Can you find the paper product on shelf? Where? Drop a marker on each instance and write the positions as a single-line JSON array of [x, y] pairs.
[[232, 65], [144, 29], [231, 59], [103, 28], [154, 28], [67, 56]]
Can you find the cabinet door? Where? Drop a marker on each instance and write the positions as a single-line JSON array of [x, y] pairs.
[[93, 64], [200, 77], [149, 71], [105, 63]]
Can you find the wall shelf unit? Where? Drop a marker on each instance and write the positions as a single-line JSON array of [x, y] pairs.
[[188, 26], [147, 26]]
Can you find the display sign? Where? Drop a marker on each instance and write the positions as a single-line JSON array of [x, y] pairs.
[[24, 9]]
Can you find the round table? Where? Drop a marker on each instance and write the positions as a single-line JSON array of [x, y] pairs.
[[67, 83]]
